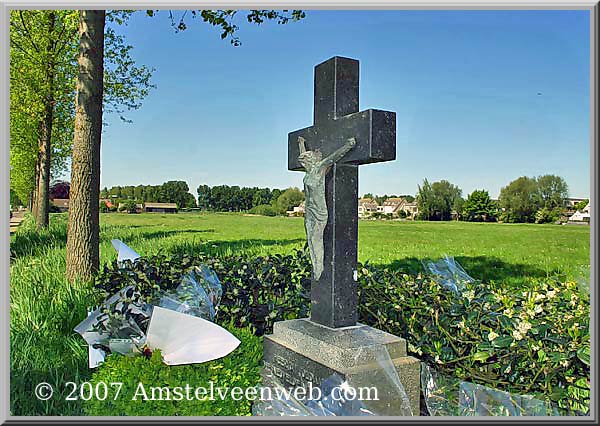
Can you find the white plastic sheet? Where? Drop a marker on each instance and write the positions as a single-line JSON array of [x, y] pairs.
[[177, 322], [325, 405], [100, 331], [198, 294], [124, 251], [449, 396], [185, 339], [373, 367], [448, 273]]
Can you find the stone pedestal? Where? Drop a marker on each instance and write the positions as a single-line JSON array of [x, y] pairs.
[[300, 352]]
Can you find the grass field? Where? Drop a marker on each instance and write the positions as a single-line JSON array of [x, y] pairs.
[[45, 309], [501, 252]]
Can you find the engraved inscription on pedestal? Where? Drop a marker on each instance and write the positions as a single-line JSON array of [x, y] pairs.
[[303, 353], [293, 369]]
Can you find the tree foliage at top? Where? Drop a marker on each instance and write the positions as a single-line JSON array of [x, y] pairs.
[[126, 84], [40, 43], [225, 19]]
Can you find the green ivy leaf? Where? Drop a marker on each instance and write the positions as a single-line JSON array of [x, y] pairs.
[[584, 355], [481, 356], [502, 342]]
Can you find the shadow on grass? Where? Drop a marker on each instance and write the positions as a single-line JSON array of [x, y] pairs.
[[31, 242], [229, 247], [107, 236], [483, 268]]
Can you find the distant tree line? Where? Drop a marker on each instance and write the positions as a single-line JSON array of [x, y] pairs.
[[220, 198], [264, 201], [524, 200], [173, 191]]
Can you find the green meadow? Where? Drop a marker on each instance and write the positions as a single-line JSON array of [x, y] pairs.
[[488, 251], [45, 309]]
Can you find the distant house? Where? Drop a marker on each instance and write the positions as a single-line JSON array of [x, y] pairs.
[[366, 207], [571, 202], [298, 210], [392, 205], [410, 208], [160, 208], [581, 217], [61, 204], [395, 205], [108, 203]]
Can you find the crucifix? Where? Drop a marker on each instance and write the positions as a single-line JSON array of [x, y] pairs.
[[330, 152]]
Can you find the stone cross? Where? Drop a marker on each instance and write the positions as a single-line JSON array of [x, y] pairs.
[[336, 119]]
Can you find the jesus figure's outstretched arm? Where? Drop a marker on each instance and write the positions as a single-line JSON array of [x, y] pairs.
[[338, 153], [301, 145]]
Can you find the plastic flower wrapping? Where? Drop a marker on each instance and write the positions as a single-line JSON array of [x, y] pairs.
[[182, 318]]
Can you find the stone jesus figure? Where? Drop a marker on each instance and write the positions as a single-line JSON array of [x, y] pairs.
[[315, 210]]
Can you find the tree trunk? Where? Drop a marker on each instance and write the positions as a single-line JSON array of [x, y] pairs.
[[34, 192], [39, 198], [45, 147], [43, 184], [83, 229]]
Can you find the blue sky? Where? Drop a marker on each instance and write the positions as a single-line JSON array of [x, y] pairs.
[[464, 86]]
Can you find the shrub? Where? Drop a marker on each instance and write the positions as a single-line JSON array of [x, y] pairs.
[[546, 215], [289, 199], [239, 368], [264, 210], [103, 207], [130, 206], [257, 290], [581, 205], [535, 341]]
